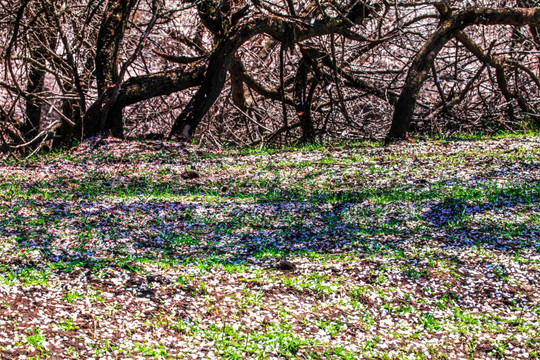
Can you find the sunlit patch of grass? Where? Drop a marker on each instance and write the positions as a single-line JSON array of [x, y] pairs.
[[156, 351], [319, 284], [68, 325], [277, 338], [36, 341], [26, 277]]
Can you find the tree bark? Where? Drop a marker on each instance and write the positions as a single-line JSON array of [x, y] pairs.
[[140, 88], [214, 81], [110, 37], [36, 81], [239, 93], [449, 27], [304, 90], [499, 64], [535, 29], [287, 32], [40, 42]]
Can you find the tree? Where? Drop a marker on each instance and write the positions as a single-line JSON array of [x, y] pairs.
[[451, 26], [251, 72]]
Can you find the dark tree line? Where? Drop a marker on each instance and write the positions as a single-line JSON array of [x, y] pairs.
[[252, 72]]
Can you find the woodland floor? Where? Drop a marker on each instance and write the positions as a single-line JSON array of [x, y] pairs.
[[428, 249]]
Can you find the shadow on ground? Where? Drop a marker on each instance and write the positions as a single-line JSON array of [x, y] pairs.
[[83, 226]]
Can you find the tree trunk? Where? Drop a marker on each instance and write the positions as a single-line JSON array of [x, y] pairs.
[[535, 29], [423, 60], [219, 62], [499, 64], [303, 98], [214, 81], [110, 37], [36, 80], [40, 43]]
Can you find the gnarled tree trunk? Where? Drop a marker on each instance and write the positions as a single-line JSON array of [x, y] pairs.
[[449, 27], [110, 37]]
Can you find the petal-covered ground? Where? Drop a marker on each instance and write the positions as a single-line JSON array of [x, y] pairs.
[[121, 249]]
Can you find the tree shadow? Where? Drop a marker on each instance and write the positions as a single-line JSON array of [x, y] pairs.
[[79, 225]]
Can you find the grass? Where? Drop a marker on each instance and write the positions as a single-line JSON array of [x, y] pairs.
[[419, 250]]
